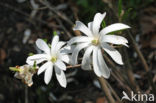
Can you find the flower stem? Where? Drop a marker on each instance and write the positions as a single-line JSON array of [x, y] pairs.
[[26, 94], [106, 89], [114, 93]]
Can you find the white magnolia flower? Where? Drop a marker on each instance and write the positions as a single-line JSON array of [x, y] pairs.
[[54, 58], [94, 41]]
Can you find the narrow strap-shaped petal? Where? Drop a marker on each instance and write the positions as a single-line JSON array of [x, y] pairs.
[[83, 28], [113, 28], [67, 49], [48, 73], [105, 70], [76, 52], [59, 46], [60, 65], [44, 67], [79, 39], [90, 26], [38, 61], [95, 63], [114, 39], [66, 58], [41, 44], [61, 77], [54, 43], [97, 22], [116, 56], [37, 56], [86, 58]]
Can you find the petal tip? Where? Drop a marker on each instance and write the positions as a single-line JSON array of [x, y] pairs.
[[107, 77], [76, 25], [38, 73], [64, 85], [121, 63], [126, 45], [46, 82], [127, 26]]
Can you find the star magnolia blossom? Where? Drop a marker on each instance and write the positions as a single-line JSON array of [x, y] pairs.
[[94, 41], [54, 58]]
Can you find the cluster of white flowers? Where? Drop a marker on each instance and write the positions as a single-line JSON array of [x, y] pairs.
[[93, 43]]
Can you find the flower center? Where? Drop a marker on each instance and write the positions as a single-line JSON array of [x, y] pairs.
[[95, 42], [53, 59]]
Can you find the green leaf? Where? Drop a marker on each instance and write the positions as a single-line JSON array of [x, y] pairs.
[[45, 40], [49, 45], [126, 13], [103, 24], [119, 7], [31, 54], [83, 3], [55, 33], [34, 65]]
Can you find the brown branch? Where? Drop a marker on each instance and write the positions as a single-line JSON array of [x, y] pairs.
[[75, 66], [130, 72], [106, 89], [26, 94], [114, 93], [61, 24], [27, 16], [138, 52], [143, 61], [60, 14]]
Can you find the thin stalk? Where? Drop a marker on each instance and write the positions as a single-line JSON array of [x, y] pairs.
[[26, 94], [106, 89], [75, 66], [130, 72], [143, 61], [138, 52], [114, 93]]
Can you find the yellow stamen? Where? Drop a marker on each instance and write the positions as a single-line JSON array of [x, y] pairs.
[[53, 59], [95, 42]]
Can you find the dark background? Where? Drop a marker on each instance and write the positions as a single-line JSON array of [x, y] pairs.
[[60, 15]]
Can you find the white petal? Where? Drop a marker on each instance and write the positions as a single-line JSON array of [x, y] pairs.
[[48, 74], [60, 65], [79, 39], [86, 58], [37, 56], [95, 63], [54, 43], [90, 25], [67, 49], [97, 22], [61, 77], [80, 26], [113, 27], [114, 39], [103, 67], [41, 44], [58, 46], [116, 56], [38, 61], [44, 67], [66, 58], [76, 52]]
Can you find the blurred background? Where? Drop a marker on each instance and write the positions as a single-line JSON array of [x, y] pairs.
[[23, 21]]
